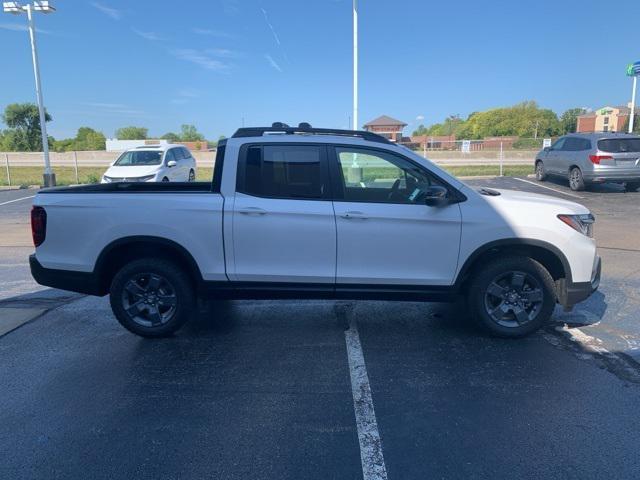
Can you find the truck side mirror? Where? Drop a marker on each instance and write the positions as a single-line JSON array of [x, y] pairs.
[[171, 163], [436, 196]]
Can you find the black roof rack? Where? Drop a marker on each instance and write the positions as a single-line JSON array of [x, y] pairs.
[[305, 128]]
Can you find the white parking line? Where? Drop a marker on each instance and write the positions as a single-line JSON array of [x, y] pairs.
[[548, 188], [16, 200], [373, 467]]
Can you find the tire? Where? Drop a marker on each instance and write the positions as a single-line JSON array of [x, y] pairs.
[[511, 297], [192, 176], [576, 181], [165, 179], [152, 297], [541, 174], [632, 186]]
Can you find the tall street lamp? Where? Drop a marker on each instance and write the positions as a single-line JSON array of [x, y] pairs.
[[43, 6], [633, 70], [355, 65]]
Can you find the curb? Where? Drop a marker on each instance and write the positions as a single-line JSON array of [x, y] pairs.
[[18, 187], [23, 309]]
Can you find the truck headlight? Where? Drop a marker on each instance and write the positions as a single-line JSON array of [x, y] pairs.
[[107, 179], [580, 223]]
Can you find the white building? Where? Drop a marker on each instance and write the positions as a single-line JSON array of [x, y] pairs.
[[115, 145]]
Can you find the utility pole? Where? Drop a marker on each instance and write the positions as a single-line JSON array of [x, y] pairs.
[[43, 6], [355, 65], [633, 70], [633, 103]]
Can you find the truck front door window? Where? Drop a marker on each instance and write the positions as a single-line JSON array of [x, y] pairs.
[[380, 178]]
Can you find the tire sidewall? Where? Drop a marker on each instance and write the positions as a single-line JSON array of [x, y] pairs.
[[180, 282], [488, 272], [580, 183], [539, 170]]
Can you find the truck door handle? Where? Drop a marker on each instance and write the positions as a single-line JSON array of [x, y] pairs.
[[354, 215], [252, 211]]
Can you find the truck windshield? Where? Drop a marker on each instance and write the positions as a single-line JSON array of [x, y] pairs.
[[619, 145], [141, 157]]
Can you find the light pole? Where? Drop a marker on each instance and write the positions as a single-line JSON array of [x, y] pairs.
[[633, 70], [43, 6], [355, 65]]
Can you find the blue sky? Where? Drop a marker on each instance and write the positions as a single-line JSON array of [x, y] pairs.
[[111, 63]]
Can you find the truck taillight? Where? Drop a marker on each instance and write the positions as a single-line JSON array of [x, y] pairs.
[[596, 159], [38, 225]]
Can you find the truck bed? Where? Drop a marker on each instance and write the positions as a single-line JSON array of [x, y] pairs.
[[135, 187]]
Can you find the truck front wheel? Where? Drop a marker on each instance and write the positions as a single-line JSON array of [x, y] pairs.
[[152, 297], [512, 296]]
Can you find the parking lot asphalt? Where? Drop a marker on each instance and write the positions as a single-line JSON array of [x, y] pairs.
[[260, 389], [15, 243]]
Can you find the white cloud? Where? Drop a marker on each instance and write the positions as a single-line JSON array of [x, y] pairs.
[[420, 118], [146, 35], [273, 30], [108, 11], [16, 27], [184, 95], [230, 7], [188, 93], [272, 62], [222, 52], [201, 59], [102, 108], [105, 105], [211, 33]]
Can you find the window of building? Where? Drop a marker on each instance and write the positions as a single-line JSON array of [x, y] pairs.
[[606, 120], [283, 171]]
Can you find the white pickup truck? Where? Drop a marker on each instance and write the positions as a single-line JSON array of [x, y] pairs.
[[315, 213]]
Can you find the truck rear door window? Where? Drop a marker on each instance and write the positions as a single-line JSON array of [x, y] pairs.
[[619, 145], [284, 171]]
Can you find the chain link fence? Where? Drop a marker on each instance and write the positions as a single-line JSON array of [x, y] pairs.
[[26, 168]]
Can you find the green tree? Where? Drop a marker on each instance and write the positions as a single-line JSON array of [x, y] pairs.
[[189, 133], [569, 119], [86, 139], [132, 133], [89, 139], [171, 137], [524, 119], [24, 132]]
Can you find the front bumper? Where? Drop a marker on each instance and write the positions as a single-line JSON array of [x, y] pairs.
[[570, 293]]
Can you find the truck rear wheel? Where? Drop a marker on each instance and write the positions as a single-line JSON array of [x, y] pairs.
[[152, 297], [512, 296]]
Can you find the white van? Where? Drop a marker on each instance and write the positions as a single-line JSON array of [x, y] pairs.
[[153, 163]]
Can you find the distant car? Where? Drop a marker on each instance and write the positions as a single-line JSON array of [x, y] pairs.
[[161, 163], [585, 158]]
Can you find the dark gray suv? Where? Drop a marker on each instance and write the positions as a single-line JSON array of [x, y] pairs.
[[586, 158]]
